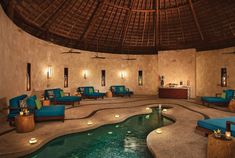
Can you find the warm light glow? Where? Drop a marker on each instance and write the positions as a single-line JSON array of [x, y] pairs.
[[147, 108], [164, 110], [160, 106], [117, 116], [159, 131], [228, 134], [33, 141], [85, 73], [49, 72], [123, 74], [89, 122]]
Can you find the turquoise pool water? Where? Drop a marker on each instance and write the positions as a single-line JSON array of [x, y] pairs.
[[122, 140]]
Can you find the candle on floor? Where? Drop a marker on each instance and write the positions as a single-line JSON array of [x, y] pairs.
[[147, 108], [164, 110], [33, 141], [117, 116], [159, 131], [89, 122]]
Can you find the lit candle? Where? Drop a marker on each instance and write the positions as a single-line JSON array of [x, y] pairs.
[[117, 116], [164, 110], [33, 141], [159, 131], [89, 123], [147, 108], [228, 134]]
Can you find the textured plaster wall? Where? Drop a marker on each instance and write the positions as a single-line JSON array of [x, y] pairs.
[[17, 48], [178, 66], [209, 64]]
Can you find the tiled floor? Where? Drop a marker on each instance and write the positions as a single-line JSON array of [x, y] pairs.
[[178, 140]]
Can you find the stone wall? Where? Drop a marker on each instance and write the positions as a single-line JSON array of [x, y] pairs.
[[177, 66], [19, 48], [209, 64]]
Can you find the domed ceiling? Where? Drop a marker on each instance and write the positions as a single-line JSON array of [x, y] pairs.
[[127, 26]]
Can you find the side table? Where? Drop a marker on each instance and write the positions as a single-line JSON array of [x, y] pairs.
[[231, 105], [24, 123], [109, 94], [220, 148]]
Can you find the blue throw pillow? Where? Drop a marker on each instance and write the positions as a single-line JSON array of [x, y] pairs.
[[57, 93], [31, 102], [229, 94]]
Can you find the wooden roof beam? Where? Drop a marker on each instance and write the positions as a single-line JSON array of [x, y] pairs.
[[92, 21], [53, 15], [196, 20], [126, 24], [156, 20]]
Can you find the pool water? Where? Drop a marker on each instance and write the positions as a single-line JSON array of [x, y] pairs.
[[122, 140]]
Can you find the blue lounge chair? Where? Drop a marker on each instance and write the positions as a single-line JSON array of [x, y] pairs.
[[14, 108], [44, 113], [89, 92], [120, 90], [209, 125], [224, 100], [57, 96], [51, 112]]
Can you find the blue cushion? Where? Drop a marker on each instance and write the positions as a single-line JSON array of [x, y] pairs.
[[229, 94], [214, 99], [68, 99], [57, 93], [218, 123], [14, 103], [49, 111], [31, 102]]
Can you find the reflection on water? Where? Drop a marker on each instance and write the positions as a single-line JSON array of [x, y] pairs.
[[123, 140]]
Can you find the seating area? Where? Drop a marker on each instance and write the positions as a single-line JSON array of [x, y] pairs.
[[34, 106], [90, 93], [57, 96], [223, 99], [120, 91], [57, 99], [209, 125]]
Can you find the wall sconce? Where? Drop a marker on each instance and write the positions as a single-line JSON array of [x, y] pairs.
[[49, 72], [85, 74], [122, 74]]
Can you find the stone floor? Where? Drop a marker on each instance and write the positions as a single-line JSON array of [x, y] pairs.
[[177, 140]]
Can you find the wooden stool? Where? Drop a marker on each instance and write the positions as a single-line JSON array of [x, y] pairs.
[[231, 105], [220, 148], [24, 123], [109, 94]]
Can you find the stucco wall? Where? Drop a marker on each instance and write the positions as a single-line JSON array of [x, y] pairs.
[[178, 66], [18, 48], [209, 64]]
